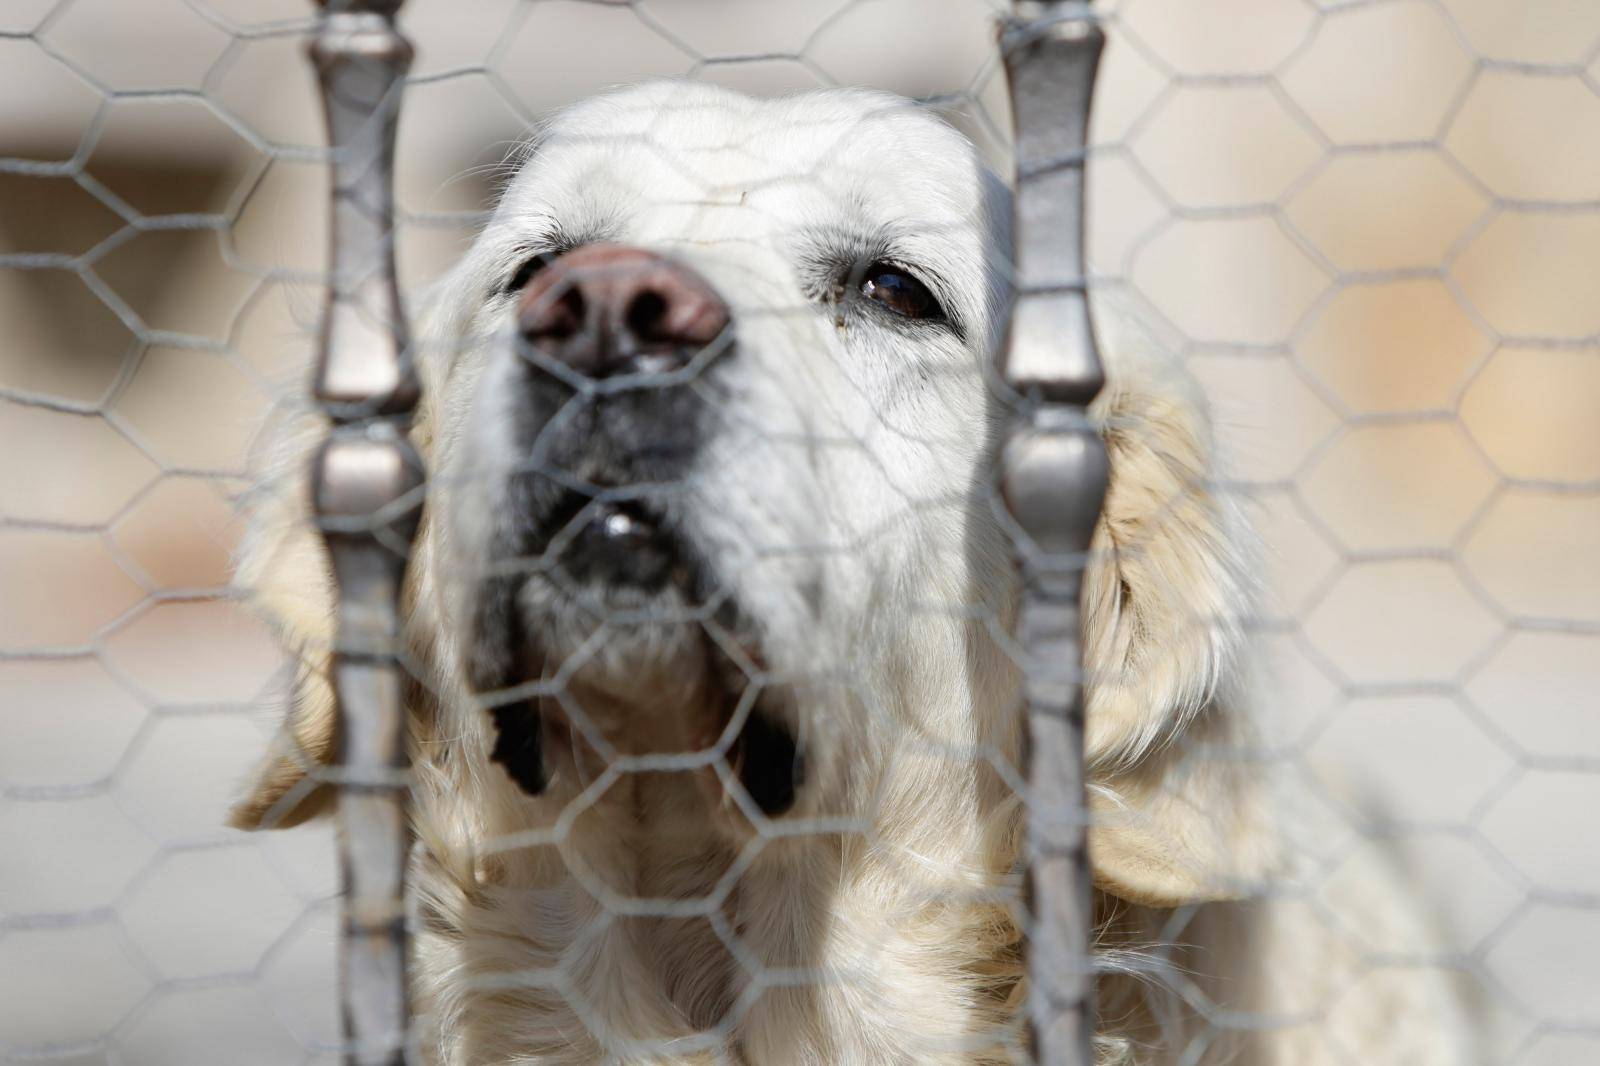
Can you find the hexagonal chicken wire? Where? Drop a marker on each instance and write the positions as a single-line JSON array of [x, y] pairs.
[[1368, 227]]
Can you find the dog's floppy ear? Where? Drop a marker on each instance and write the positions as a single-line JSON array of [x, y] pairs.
[[283, 570], [1175, 815], [285, 789]]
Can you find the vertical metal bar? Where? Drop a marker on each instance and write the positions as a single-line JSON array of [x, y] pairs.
[[366, 494], [1054, 474]]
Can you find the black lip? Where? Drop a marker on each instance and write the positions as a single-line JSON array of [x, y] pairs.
[[501, 656], [771, 766], [519, 745]]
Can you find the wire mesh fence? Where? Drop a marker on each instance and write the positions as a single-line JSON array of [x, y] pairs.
[[1364, 229]]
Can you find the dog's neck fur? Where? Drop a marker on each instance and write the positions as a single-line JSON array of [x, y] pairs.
[[652, 900]]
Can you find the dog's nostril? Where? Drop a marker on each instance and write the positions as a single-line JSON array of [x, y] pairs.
[[646, 316], [555, 315]]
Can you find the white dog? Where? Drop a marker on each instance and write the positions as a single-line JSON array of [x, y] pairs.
[[716, 726]]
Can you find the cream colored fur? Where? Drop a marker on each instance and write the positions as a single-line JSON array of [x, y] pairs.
[[887, 937]]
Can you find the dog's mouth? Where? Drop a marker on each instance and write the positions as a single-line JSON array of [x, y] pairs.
[[626, 544]]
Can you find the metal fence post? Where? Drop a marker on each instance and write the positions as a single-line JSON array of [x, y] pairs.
[[366, 489], [1053, 480]]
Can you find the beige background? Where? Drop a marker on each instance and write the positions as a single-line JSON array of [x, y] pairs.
[[1372, 228]]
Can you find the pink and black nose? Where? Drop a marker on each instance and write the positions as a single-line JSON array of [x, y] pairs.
[[607, 310]]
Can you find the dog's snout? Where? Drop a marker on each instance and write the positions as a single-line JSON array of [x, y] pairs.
[[606, 309]]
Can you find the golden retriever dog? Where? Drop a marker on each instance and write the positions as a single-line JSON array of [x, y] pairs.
[[716, 713]]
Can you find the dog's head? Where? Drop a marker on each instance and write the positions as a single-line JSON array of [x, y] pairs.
[[720, 427], [712, 434]]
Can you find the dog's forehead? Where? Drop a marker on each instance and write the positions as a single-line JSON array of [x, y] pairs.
[[855, 155]]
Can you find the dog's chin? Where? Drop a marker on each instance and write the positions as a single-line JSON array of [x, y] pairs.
[[617, 612], [621, 609], [636, 653]]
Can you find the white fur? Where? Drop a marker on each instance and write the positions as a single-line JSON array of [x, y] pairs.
[[844, 501]]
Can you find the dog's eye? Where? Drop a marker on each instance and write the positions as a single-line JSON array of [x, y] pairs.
[[531, 266], [901, 293]]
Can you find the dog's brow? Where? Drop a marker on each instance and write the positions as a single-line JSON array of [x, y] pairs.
[[549, 235]]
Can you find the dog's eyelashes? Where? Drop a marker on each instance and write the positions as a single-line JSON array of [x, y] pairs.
[[900, 292]]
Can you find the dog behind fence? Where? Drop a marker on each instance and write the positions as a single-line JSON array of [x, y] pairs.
[[1389, 308], [368, 480]]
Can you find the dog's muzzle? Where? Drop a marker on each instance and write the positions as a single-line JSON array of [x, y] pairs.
[[611, 406], [613, 343]]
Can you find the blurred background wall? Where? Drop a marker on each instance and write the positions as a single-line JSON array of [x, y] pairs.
[[1371, 228]]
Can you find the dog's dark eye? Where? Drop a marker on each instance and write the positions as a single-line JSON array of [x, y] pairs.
[[901, 293], [531, 266]]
